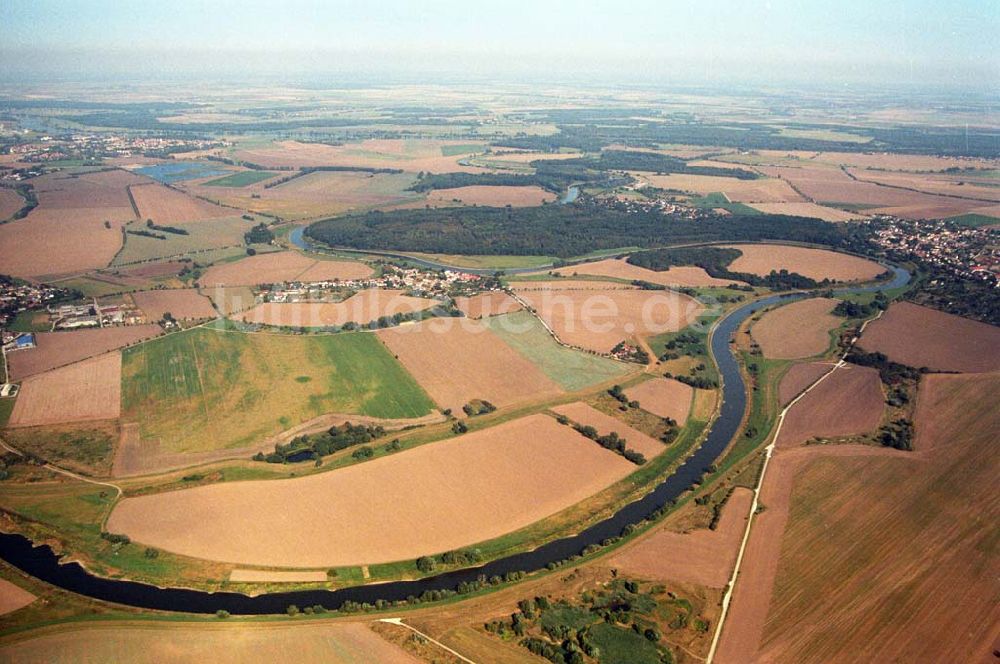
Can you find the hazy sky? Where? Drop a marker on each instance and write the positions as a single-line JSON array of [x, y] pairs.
[[817, 41]]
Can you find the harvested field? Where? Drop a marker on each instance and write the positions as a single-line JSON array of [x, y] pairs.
[[271, 576], [799, 377], [411, 155], [231, 301], [13, 597], [849, 401], [154, 270], [485, 305], [457, 360], [570, 285], [66, 233], [323, 193], [10, 202], [279, 267], [665, 397], [237, 643], [620, 269], [796, 330], [183, 303], [818, 264], [704, 556], [921, 337], [201, 239], [571, 369], [88, 390], [364, 306], [808, 210], [901, 162], [57, 349], [205, 389], [493, 196], [165, 205], [584, 414], [965, 185], [433, 498], [883, 558], [599, 320], [767, 190]]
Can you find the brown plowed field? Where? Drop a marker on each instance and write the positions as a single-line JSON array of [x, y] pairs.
[[457, 360], [182, 303], [10, 203], [279, 267], [848, 401], [599, 320], [582, 413], [235, 643], [66, 234], [362, 307], [767, 190], [619, 268], [493, 196], [887, 555], [761, 259], [411, 155], [966, 185], [799, 377], [166, 206], [796, 330], [56, 349], [88, 390], [705, 557], [433, 498], [13, 597], [487, 304], [921, 337], [665, 397], [808, 210]]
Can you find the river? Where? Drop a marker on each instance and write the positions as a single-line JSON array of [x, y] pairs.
[[43, 564]]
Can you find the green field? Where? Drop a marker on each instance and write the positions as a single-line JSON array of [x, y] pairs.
[[205, 389], [487, 262], [719, 200], [202, 235], [572, 369], [31, 321], [452, 150], [975, 220], [623, 646], [240, 179]]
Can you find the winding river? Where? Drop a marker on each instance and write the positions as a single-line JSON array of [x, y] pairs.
[[42, 563]]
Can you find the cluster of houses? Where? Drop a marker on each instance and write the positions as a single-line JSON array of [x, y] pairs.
[[421, 283], [967, 252], [91, 146], [78, 316]]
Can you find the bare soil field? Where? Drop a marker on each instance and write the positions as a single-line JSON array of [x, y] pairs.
[[411, 155], [620, 269], [56, 349], [582, 413], [271, 576], [799, 377], [364, 306], [165, 205], [433, 498], [487, 304], [703, 556], [921, 337], [761, 259], [808, 210], [493, 196], [966, 185], [10, 203], [278, 267], [831, 186], [13, 597], [848, 401], [66, 233], [599, 320], [323, 193], [182, 303], [884, 557], [796, 330], [768, 190], [88, 390], [236, 643], [665, 397], [902, 162], [457, 360]]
